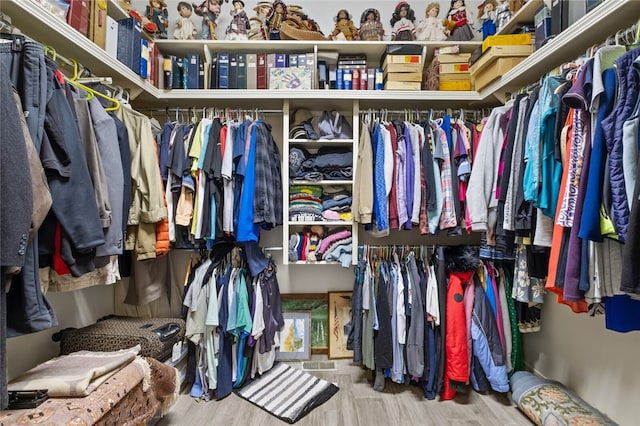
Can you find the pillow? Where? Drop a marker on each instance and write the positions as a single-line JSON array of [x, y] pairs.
[[550, 403]]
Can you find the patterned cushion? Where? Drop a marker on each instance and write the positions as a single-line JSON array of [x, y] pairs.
[[549, 403]]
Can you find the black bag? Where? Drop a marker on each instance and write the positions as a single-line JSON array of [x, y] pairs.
[[156, 336]]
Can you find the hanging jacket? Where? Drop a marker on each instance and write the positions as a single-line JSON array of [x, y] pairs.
[[628, 82], [457, 365], [487, 349]]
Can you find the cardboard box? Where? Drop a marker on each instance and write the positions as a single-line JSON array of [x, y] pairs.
[[454, 67], [402, 85], [454, 85], [458, 58], [506, 40], [414, 67], [402, 59], [455, 76], [500, 52], [403, 76], [494, 70]]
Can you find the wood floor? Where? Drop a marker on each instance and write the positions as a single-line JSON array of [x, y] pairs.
[[356, 404]]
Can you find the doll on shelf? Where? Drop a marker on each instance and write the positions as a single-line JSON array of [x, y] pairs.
[[344, 29], [458, 23], [275, 17], [157, 13], [209, 10], [402, 23], [371, 28], [431, 28], [185, 28], [239, 26], [487, 16]]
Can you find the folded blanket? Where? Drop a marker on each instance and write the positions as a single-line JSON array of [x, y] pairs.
[[74, 375]]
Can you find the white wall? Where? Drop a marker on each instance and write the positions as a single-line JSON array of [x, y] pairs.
[[73, 309], [598, 364]]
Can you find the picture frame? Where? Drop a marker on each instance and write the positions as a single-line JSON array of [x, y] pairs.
[[339, 320], [317, 304], [295, 337]]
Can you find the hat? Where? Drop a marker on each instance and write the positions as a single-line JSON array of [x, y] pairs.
[[401, 4], [238, 1], [301, 115], [255, 257]]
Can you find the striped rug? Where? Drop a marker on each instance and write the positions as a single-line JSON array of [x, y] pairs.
[[287, 392]]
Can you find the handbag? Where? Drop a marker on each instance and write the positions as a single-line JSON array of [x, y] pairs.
[[333, 125]]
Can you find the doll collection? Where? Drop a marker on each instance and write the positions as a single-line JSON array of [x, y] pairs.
[[275, 20]]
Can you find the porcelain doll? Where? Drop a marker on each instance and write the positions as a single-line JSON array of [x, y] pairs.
[[371, 28], [239, 26], [185, 29], [209, 10], [275, 17], [458, 23], [431, 28], [402, 23], [157, 13], [344, 29], [487, 16]]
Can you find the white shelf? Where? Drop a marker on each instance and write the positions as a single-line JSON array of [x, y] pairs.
[[40, 25], [525, 15], [115, 10], [591, 29]]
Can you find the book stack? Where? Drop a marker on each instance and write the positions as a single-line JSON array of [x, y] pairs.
[[453, 71], [402, 72]]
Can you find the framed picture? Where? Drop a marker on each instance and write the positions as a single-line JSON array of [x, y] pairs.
[[339, 318], [295, 337], [317, 305]]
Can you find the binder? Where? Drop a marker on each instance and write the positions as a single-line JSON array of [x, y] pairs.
[[193, 76], [125, 34], [213, 72], [144, 59], [281, 60], [233, 71], [223, 70], [311, 64], [293, 60], [111, 43], [241, 78], [252, 71], [78, 15], [355, 79], [184, 81], [176, 66], [136, 42], [271, 63], [261, 71], [167, 71]]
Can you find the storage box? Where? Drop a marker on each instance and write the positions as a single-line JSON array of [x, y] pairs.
[[453, 67], [410, 67], [494, 70], [454, 85], [454, 76], [458, 58], [290, 78], [402, 85], [500, 52], [506, 40], [403, 76]]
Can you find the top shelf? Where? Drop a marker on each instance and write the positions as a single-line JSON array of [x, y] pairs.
[[525, 15], [40, 25], [593, 28]]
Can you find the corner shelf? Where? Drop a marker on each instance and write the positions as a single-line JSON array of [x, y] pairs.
[[610, 16], [40, 25]]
